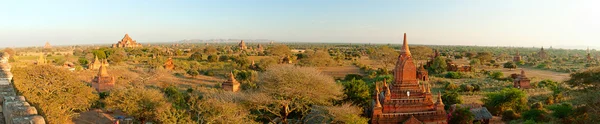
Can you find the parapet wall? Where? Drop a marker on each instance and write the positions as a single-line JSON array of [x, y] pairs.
[[15, 109]]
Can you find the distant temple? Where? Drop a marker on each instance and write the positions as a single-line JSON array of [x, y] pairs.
[[542, 54], [97, 63], [422, 74], [169, 64], [517, 58], [47, 46], [589, 56], [242, 45], [406, 101], [260, 48], [232, 84], [126, 42], [103, 82], [521, 81]]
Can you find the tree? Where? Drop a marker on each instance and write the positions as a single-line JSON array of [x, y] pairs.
[[357, 92], [220, 110], [484, 56], [317, 58], [462, 115], [210, 50], [344, 114], [585, 86], [196, 56], [213, 58], [506, 99], [421, 52], [280, 51], [283, 90], [562, 111], [144, 104], [265, 63], [119, 56], [439, 65], [385, 56], [54, 91], [510, 65], [451, 98]]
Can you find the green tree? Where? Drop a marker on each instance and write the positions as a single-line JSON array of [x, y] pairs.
[[585, 86], [510, 65], [357, 92], [196, 56], [451, 98], [283, 90], [439, 65], [484, 56], [462, 115], [344, 114], [210, 50], [144, 104], [562, 111], [213, 58], [318, 58], [506, 99], [280, 51], [119, 56], [224, 109], [385, 56], [53, 91]]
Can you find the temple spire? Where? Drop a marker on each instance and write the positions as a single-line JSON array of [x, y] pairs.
[[377, 104], [405, 48], [102, 71], [522, 72], [440, 98]]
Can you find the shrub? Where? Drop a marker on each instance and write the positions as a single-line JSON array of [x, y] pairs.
[[509, 115], [453, 75], [451, 86]]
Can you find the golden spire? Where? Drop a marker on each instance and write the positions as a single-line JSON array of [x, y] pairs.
[[440, 98], [388, 93], [405, 48], [102, 71], [377, 104]]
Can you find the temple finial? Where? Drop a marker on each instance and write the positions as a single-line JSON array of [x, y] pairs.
[[405, 47]]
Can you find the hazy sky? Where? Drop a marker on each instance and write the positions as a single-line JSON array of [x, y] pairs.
[[445, 22]]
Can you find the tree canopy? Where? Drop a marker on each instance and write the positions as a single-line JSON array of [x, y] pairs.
[[54, 91]]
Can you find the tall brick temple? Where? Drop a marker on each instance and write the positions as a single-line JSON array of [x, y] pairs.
[[405, 100]]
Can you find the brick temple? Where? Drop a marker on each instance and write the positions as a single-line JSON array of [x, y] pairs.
[[405, 100], [126, 42], [103, 81]]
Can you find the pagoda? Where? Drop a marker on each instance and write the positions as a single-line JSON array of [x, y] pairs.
[[103, 82], [47, 45], [232, 84], [405, 100], [242, 45], [169, 64], [97, 63], [521, 81], [126, 42], [517, 58], [542, 54]]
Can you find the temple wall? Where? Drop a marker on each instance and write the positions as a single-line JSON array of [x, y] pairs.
[[15, 109]]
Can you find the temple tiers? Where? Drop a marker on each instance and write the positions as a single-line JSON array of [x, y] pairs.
[[103, 81], [126, 42], [242, 45], [405, 100], [232, 84]]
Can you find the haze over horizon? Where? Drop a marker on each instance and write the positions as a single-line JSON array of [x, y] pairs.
[[436, 22]]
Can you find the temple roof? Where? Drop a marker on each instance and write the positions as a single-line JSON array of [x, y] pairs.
[[412, 120]]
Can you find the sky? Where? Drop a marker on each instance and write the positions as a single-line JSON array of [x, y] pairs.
[[524, 23]]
